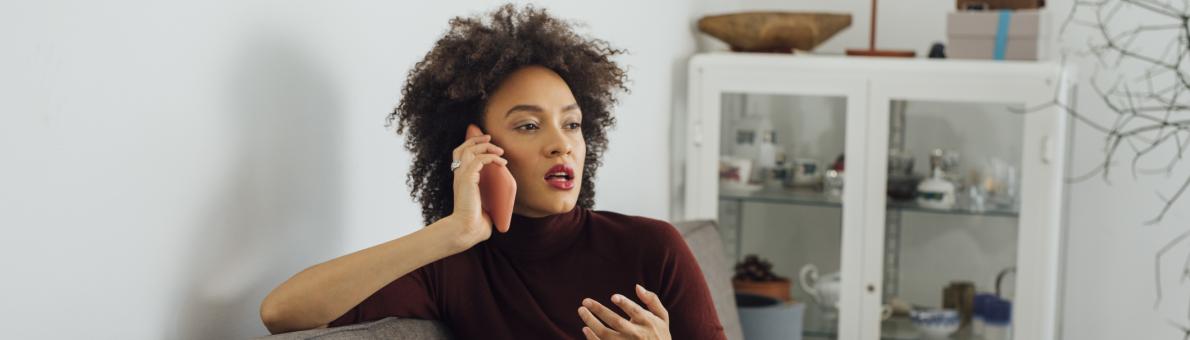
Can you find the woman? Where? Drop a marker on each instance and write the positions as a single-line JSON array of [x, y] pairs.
[[542, 94]]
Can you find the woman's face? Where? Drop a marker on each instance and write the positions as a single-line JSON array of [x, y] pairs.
[[534, 117]]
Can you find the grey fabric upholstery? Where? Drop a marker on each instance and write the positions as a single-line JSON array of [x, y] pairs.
[[701, 236], [388, 328]]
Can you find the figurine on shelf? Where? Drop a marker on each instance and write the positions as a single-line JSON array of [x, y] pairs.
[[777, 177], [936, 192], [756, 140], [902, 182], [735, 175], [832, 181], [804, 173]]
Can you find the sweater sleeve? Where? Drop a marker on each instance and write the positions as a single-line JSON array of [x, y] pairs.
[[683, 291], [410, 296]]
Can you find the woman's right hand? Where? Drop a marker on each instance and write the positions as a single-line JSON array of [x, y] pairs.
[[472, 225]]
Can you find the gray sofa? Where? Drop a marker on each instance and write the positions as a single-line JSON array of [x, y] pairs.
[[702, 236]]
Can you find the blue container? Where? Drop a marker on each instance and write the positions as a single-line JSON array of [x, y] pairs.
[[766, 318]]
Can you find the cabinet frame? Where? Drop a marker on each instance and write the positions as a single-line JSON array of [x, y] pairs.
[[869, 86]]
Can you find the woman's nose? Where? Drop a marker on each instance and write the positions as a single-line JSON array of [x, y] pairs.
[[558, 143], [559, 151]]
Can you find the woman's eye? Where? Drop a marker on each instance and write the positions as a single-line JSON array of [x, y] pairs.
[[533, 126]]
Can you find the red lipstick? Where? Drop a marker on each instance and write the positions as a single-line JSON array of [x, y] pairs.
[[560, 177]]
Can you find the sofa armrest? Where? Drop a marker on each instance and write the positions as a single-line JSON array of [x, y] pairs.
[[387, 328]]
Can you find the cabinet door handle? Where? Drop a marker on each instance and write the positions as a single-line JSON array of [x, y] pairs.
[[697, 138], [1047, 149]]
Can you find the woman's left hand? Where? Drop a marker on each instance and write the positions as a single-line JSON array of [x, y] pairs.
[[603, 323]]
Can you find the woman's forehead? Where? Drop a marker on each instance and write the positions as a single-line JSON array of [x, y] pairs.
[[532, 90]]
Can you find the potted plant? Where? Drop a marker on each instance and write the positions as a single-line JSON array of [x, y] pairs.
[[755, 276]]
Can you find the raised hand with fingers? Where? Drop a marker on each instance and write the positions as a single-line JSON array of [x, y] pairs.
[[479, 171], [603, 323]]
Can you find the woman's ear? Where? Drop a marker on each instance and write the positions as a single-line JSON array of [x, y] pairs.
[[473, 131], [478, 121]]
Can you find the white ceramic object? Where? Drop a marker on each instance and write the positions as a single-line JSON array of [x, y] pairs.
[[755, 140], [936, 193], [741, 167], [936, 323], [806, 172], [824, 290]]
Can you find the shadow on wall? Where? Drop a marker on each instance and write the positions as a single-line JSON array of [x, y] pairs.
[[279, 211]]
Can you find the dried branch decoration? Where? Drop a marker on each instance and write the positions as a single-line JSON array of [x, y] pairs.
[[1152, 114], [1151, 108]]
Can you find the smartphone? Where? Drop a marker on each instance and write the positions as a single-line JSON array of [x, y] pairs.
[[497, 189]]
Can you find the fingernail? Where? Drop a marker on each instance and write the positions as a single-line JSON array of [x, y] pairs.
[[587, 302], [640, 289], [617, 298]]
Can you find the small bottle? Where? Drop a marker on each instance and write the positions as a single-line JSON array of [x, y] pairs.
[[998, 321], [979, 312], [936, 192]]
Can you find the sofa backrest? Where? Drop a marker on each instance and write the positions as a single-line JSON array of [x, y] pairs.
[[702, 236]]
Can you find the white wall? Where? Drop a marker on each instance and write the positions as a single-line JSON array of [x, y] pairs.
[[164, 165], [1111, 258]]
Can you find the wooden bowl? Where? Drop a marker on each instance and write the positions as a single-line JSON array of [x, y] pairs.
[[774, 31]]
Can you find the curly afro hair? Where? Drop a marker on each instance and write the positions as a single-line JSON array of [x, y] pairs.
[[449, 89]]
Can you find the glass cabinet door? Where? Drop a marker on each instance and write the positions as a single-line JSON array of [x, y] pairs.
[[964, 207], [781, 211], [768, 149], [952, 216]]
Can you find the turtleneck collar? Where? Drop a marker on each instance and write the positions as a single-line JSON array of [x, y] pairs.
[[539, 237]]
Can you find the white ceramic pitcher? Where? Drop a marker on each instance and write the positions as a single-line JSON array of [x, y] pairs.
[[825, 289]]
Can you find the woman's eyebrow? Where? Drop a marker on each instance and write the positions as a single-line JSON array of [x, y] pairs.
[[535, 108]]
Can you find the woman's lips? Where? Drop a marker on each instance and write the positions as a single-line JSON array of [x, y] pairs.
[[565, 182], [561, 183]]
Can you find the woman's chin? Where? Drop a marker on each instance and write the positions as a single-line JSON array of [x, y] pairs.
[[550, 208]]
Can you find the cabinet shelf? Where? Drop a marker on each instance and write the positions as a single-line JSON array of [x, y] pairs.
[[814, 198], [816, 327]]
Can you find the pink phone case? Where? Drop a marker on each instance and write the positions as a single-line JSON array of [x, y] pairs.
[[497, 189]]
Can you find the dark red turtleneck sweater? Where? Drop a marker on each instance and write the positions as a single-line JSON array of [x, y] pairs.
[[528, 283]]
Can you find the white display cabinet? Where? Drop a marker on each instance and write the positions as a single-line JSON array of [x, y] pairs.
[[804, 160]]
